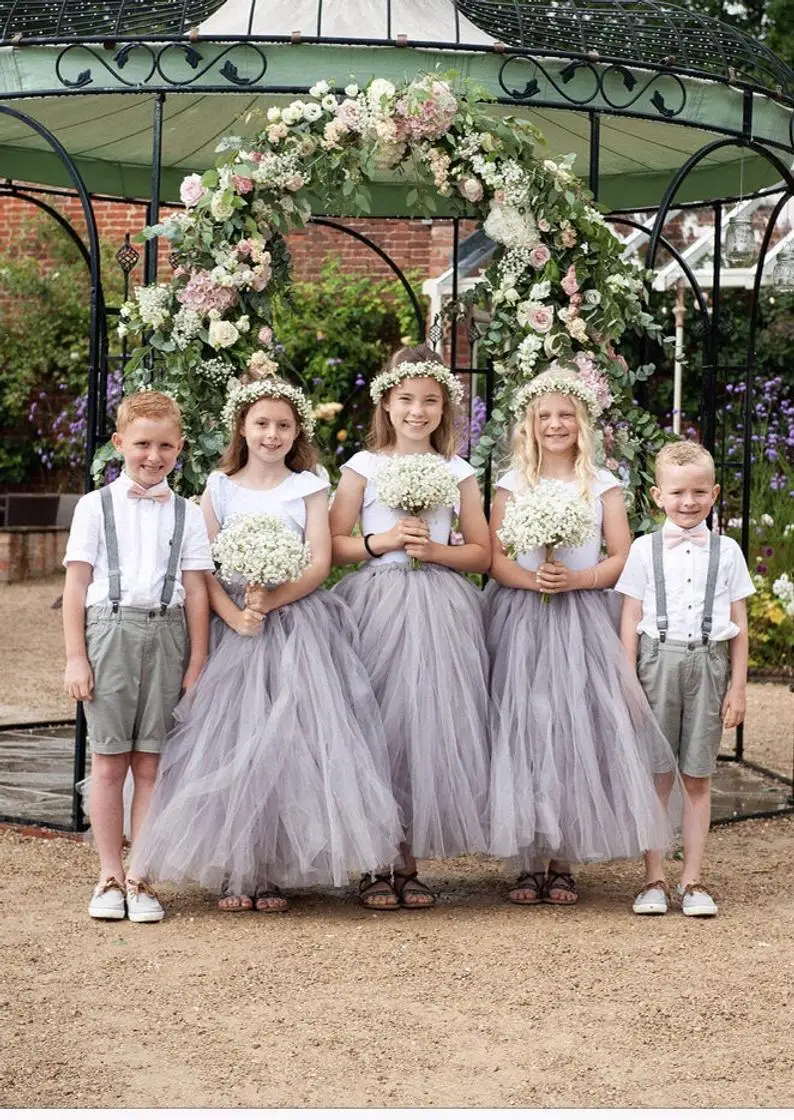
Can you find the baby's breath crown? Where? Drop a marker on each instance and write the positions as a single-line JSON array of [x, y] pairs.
[[391, 377], [562, 381], [239, 395]]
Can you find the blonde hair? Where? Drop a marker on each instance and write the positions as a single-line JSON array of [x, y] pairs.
[[148, 405], [685, 453], [444, 439], [528, 454], [302, 456]]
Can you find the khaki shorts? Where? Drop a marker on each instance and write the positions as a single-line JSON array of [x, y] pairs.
[[138, 658], [685, 683]]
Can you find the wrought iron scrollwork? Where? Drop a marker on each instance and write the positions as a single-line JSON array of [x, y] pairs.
[[664, 92], [175, 64]]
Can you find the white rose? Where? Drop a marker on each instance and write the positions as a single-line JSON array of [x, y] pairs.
[[329, 103], [291, 115], [319, 89], [351, 90], [221, 207], [274, 114], [591, 297], [222, 334], [379, 89], [312, 112]]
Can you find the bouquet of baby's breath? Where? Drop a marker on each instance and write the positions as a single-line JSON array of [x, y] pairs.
[[549, 516], [417, 484], [262, 549]]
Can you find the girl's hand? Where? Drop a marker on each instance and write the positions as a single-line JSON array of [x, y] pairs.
[[424, 550], [408, 531], [553, 577], [248, 622], [192, 674], [259, 599], [78, 680]]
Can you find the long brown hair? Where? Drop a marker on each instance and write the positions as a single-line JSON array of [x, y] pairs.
[[444, 439], [302, 456]]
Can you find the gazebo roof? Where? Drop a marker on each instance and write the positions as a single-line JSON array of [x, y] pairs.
[[660, 81]]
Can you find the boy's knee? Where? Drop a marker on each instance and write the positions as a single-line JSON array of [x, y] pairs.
[[696, 787], [144, 766], [109, 768]]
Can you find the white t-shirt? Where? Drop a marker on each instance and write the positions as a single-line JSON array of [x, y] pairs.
[[685, 570], [144, 529], [377, 518], [577, 559]]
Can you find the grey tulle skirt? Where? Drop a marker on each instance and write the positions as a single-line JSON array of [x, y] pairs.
[[423, 643], [276, 771], [577, 756]]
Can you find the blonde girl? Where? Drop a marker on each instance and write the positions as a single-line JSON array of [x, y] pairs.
[[276, 774], [575, 749], [422, 637]]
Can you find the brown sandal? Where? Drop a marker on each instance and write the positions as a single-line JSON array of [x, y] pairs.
[[410, 888], [528, 881], [267, 895], [375, 892], [560, 880]]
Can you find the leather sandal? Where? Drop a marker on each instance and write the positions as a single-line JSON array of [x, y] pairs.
[[529, 882], [270, 900], [560, 880], [410, 890], [376, 892]]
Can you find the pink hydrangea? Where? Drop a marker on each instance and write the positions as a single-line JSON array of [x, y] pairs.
[[202, 294], [592, 376], [425, 113]]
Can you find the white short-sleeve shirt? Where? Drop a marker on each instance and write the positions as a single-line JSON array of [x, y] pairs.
[[685, 569], [287, 500], [377, 518], [144, 529], [577, 559]]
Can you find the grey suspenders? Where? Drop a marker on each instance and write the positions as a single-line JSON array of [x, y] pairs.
[[112, 546], [657, 549]]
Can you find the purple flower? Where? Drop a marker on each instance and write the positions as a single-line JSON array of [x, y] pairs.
[[761, 569]]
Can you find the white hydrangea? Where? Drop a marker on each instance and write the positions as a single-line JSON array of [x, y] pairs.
[[154, 304], [512, 226], [783, 587], [262, 549]]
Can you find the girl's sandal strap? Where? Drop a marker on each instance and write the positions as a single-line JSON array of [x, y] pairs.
[[408, 886], [533, 881], [376, 892], [560, 880]]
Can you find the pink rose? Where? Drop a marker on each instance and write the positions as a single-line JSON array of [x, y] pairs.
[[543, 225], [569, 283], [295, 182], [541, 319], [568, 238], [470, 188], [241, 184], [539, 256], [192, 190], [256, 157], [265, 336]]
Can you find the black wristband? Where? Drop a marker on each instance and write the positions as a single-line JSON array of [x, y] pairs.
[[374, 555]]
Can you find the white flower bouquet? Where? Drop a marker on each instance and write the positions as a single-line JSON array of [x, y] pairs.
[[260, 548], [417, 484], [548, 516]]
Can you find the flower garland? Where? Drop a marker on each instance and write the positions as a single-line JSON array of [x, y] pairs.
[[391, 377], [558, 286], [239, 395], [569, 383]]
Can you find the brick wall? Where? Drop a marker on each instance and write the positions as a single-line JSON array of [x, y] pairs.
[[31, 553]]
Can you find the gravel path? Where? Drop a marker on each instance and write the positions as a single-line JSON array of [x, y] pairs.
[[474, 1004]]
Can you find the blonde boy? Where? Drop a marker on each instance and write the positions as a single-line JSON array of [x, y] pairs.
[[684, 607], [135, 620]]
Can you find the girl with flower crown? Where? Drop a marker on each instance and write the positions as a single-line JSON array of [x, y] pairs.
[[276, 772], [420, 619], [576, 753]]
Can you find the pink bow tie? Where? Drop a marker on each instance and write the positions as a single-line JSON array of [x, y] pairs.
[[138, 492], [674, 536]]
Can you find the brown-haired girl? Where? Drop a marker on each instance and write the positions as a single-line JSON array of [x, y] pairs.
[[277, 771], [422, 636]]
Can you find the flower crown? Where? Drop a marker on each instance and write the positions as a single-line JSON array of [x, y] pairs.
[[391, 377], [239, 395], [565, 382]]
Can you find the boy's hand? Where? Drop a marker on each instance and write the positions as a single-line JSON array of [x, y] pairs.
[[249, 622], [192, 674], [78, 680], [734, 706]]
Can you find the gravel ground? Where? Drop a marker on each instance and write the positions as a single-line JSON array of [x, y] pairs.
[[476, 1003]]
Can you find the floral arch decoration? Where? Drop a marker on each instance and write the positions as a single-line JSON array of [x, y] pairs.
[[558, 286]]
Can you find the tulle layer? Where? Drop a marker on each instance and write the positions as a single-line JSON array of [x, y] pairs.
[[276, 770], [577, 756], [423, 643]]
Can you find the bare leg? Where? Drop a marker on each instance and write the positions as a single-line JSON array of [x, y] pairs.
[[697, 819], [106, 810], [412, 897], [144, 767], [559, 894]]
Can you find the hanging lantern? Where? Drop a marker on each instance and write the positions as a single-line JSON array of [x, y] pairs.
[[783, 272], [739, 250]]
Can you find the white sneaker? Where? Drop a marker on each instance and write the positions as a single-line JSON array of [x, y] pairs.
[[143, 905], [696, 902], [107, 901], [652, 899]]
